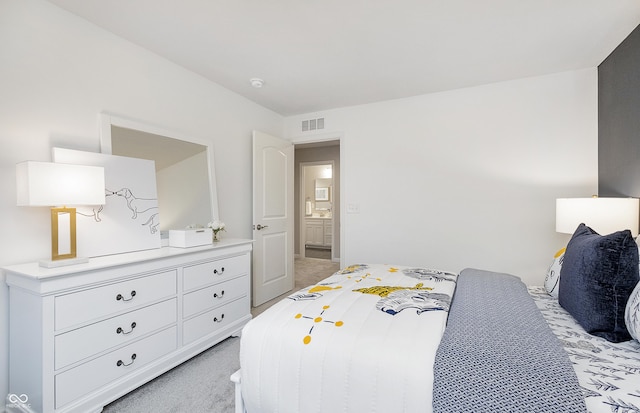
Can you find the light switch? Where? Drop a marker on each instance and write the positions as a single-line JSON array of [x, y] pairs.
[[353, 208]]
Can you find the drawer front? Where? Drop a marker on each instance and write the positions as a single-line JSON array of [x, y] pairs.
[[214, 296], [96, 373], [84, 306], [214, 320], [84, 342], [202, 275]]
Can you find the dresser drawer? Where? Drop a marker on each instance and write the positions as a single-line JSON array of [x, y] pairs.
[[215, 319], [214, 296], [84, 306], [202, 275], [84, 342], [94, 374]]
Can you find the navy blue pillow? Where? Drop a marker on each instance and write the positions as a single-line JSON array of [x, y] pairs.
[[597, 277]]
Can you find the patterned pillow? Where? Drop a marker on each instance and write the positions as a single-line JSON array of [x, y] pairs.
[[632, 313], [553, 274], [597, 277]]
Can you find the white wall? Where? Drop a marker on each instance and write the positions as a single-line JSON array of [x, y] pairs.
[[466, 178], [57, 73]]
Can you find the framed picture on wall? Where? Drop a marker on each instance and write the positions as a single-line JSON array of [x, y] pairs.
[[322, 194]]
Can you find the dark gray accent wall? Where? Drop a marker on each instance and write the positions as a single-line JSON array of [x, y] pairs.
[[619, 120]]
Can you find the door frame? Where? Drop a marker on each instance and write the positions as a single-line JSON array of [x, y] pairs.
[[324, 137]]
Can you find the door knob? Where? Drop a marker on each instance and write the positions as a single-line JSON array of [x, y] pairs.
[[259, 227]]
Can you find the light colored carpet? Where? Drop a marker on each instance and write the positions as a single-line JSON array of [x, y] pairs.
[[202, 384], [311, 270]]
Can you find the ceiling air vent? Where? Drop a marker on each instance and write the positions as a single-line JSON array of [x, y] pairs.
[[312, 124]]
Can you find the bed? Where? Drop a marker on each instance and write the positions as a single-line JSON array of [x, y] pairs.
[[609, 373], [383, 338]]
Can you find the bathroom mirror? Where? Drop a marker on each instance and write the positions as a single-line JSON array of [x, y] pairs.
[[184, 168], [322, 189]]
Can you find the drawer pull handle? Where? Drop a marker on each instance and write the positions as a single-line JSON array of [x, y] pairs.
[[120, 297], [215, 295], [219, 272], [122, 363], [121, 331], [218, 320]]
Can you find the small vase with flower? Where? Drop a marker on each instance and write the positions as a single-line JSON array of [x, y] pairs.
[[216, 226]]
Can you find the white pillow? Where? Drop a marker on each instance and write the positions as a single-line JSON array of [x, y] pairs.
[[552, 280], [632, 313]]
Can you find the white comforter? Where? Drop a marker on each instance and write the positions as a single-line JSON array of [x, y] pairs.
[[363, 339]]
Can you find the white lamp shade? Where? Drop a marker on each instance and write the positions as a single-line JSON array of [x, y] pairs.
[[603, 215], [56, 184]]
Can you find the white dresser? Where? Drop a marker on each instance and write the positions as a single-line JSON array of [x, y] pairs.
[[81, 336]]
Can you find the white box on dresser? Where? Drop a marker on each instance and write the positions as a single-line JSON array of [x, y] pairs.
[[82, 336], [186, 238]]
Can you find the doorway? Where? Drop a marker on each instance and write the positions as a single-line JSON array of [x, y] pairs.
[[316, 187], [317, 197]]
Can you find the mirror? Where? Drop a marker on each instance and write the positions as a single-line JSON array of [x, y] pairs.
[[322, 194], [184, 169], [322, 189]]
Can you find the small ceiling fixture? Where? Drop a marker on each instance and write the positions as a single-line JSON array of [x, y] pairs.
[[256, 82]]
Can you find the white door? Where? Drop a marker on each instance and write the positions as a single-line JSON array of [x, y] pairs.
[[272, 217]]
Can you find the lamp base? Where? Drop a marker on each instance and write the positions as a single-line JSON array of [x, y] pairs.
[[63, 263]]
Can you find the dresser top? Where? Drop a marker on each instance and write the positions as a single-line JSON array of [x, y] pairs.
[[35, 271]]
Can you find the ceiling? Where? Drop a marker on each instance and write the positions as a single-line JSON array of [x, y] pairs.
[[315, 55]]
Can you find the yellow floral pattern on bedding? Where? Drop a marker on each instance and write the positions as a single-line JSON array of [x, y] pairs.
[[401, 294]]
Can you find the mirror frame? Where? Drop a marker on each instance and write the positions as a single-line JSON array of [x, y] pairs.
[[108, 120]]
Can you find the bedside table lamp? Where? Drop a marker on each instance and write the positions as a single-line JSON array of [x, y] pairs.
[[58, 185], [603, 215]]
